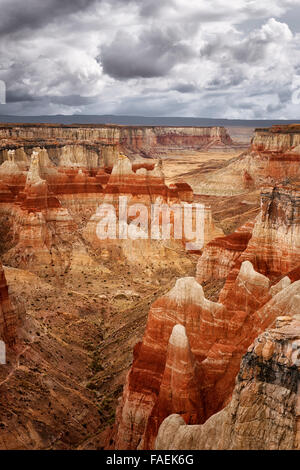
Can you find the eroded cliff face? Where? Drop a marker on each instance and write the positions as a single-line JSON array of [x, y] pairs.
[[8, 318], [108, 140], [263, 413], [273, 157], [256, 291], [51, 207]]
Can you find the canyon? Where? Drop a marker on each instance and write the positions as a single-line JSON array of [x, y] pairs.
[[257, 289], [192, 346], [214, 332], [72, 305], [272, 157]]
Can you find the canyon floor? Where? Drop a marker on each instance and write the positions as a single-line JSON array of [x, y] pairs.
[[78, 332], [229, 212]]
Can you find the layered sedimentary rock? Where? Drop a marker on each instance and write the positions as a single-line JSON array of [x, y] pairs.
[[277, 231], [274, 156], [39, 223], [192, 347], [110, 139], [271, 243], [8, 320], [274, 245], [132, 191], [220, 255], [180, 378], [182, 306], [218, 335], [263, 413], [255, 293], [47, 199]]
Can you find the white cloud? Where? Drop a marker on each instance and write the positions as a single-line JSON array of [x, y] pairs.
[[174, 57]]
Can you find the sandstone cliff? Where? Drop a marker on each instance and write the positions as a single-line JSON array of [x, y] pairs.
[[108, 140], [263, 413], [253, 261], [8, 319], [50, 201], [273, 157]]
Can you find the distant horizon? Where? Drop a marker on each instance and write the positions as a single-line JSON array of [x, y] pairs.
[[148, 117], [140, 120]]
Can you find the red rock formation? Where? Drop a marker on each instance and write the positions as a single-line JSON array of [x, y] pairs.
[[220, 255], [185, 305], [110, 138], [274, 246], [274, 156], [145, 187], [264, 411], [218, 333], [51, 193], [220, 338], [39, 221], [179, 389], [277, 231], [8, 319]]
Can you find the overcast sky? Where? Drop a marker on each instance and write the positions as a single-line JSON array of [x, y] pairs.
[[199, 58]]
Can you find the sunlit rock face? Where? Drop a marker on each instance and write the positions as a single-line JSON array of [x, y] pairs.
[[132, 186], [216, 337], [184, 305], [264, 412], [274, 246], [53, 179], [261, 284], [277, 231], [37, 217], [220, 255], [112, 138], [274, 156]]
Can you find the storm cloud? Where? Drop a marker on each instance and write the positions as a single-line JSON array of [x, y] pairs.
[[152, 54], [17, 15], [201, 58]]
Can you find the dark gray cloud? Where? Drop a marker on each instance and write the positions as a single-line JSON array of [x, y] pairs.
[[153, 7], [152, 54], [17, 15], [185, 88], [69, 100], [18, 96]]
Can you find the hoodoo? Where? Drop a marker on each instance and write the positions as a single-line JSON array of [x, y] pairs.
[[263, 413], [255, 263]]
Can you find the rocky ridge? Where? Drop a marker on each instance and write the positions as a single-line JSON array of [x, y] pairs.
[[273, 157]]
